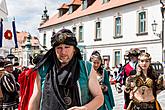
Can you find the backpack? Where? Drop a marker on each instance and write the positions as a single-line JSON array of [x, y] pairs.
[[26, 80]]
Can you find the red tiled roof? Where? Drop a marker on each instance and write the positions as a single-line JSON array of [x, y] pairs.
[[21, 38], [75, 2], [97, 6], [64, 6]]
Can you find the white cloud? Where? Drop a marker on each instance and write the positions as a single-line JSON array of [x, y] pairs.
[[28, 13]]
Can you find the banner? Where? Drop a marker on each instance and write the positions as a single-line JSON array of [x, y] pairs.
[[8, 35]]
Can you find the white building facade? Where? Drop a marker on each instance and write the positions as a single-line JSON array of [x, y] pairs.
[[3, 9], [3, 15], [113, 29]]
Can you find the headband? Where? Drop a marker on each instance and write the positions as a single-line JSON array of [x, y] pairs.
[[63, 38]]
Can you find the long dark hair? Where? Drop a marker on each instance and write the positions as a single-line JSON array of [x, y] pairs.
[[97, 55], [56, 40], [152, 74]]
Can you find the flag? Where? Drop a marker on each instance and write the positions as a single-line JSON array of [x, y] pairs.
[[1, 32], [8, 36]]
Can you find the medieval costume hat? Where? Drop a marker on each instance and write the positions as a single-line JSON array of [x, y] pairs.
[[64, 36], [8, 63], [95, 53], [134, 52]]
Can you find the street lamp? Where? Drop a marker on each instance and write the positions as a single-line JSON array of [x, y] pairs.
[[162, 33], [10, 56], [154, 25]]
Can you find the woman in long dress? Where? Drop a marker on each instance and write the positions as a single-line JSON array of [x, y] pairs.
[[103, 78]]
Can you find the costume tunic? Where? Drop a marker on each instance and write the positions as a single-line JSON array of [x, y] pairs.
[[108, 95], [85, 68], [142, 90], [9, 90]]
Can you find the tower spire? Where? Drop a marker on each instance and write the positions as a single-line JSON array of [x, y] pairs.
[[45, 16]]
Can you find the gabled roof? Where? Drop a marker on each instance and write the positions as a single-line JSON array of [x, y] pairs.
[[75, 2], [22, 36], [96, 7]]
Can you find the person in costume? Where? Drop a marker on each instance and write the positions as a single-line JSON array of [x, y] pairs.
[[26, 80], [125, 72], [64, 81], [103, 78], [2, 71], [9, 88], [143, 85]]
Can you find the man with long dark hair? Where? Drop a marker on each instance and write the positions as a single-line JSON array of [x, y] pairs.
[[64, 81]]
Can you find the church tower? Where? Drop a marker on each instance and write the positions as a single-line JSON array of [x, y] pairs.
[[44, 17]]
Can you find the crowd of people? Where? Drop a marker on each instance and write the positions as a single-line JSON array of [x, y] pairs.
[[62, 80]]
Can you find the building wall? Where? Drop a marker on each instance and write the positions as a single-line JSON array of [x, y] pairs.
[[3, 9], [3, 15], [150, 42]]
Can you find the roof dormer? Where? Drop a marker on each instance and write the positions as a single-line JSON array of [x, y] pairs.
[[105, 1], [86, 3], [74, 5], [63, 9]]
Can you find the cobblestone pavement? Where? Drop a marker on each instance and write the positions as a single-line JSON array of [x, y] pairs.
[[119, 99]]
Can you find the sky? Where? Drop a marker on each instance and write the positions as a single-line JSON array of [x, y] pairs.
[[27, 13]]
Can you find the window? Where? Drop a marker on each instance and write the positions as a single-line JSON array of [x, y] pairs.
[[44, 39], [84, 4], [142, 22], [81, 34], [117, 57], [60, 13], [70, 9], [117, 26], [105, 1], [74, 31], [98, 30]]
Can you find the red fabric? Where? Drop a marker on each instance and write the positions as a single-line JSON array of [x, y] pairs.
[[128, 68], [125, 106], [26, 80]]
